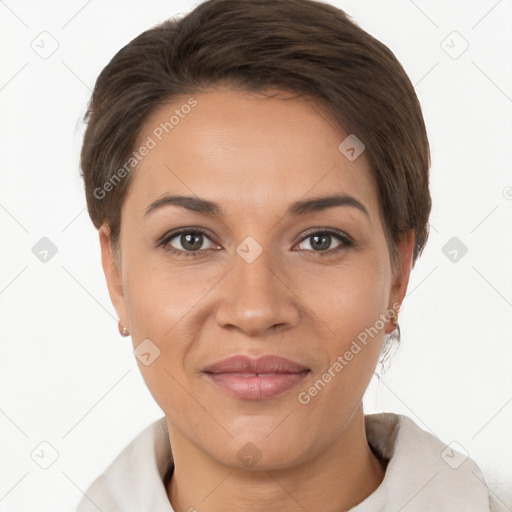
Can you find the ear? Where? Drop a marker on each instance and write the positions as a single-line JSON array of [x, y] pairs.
[[402, 270], [112, 271]]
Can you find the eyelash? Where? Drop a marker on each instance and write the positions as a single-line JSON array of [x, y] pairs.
[[164, 241], [182, 254], [346, 241]]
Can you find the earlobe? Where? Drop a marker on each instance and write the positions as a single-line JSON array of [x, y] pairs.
[[113, 275]]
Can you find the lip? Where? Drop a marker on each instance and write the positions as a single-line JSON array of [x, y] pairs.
[[255, 378]]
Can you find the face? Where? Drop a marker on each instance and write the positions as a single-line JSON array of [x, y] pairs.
[[276, 251]]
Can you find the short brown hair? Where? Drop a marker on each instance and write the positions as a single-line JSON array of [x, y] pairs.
[[303, 46]]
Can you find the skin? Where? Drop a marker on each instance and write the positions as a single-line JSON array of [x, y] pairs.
[[255, 156]]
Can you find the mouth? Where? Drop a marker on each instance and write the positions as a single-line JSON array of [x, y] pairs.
[[252, 378]]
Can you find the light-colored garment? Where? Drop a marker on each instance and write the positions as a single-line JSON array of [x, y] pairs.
[[422, 475]]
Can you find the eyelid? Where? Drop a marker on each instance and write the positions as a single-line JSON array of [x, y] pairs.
[[330, 231], [170, 235], [346, 240]]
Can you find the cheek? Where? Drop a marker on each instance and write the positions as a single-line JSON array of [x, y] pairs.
[[350, 298], [350, 309], [164, 306], [360, 299], [160, 292]]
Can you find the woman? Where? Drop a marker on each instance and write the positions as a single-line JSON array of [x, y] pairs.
[[258, 172]]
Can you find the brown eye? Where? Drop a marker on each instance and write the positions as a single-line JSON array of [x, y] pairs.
[[325, 241], [189, 241]]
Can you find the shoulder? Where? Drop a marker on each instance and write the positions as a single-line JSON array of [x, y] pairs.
[[134, 480], [421, 471]]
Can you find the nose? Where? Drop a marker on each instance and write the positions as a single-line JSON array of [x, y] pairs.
[[257, 298]]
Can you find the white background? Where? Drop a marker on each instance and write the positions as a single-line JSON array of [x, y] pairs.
[[67, 377]]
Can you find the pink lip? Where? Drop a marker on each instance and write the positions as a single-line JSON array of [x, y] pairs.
[[255, 378]]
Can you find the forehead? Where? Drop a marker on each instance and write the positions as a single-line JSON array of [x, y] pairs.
[[247, 149]]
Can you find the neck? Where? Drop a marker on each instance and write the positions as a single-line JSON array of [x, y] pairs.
[[335, 480]]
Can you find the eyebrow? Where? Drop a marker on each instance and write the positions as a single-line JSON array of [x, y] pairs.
[[297, 208]]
